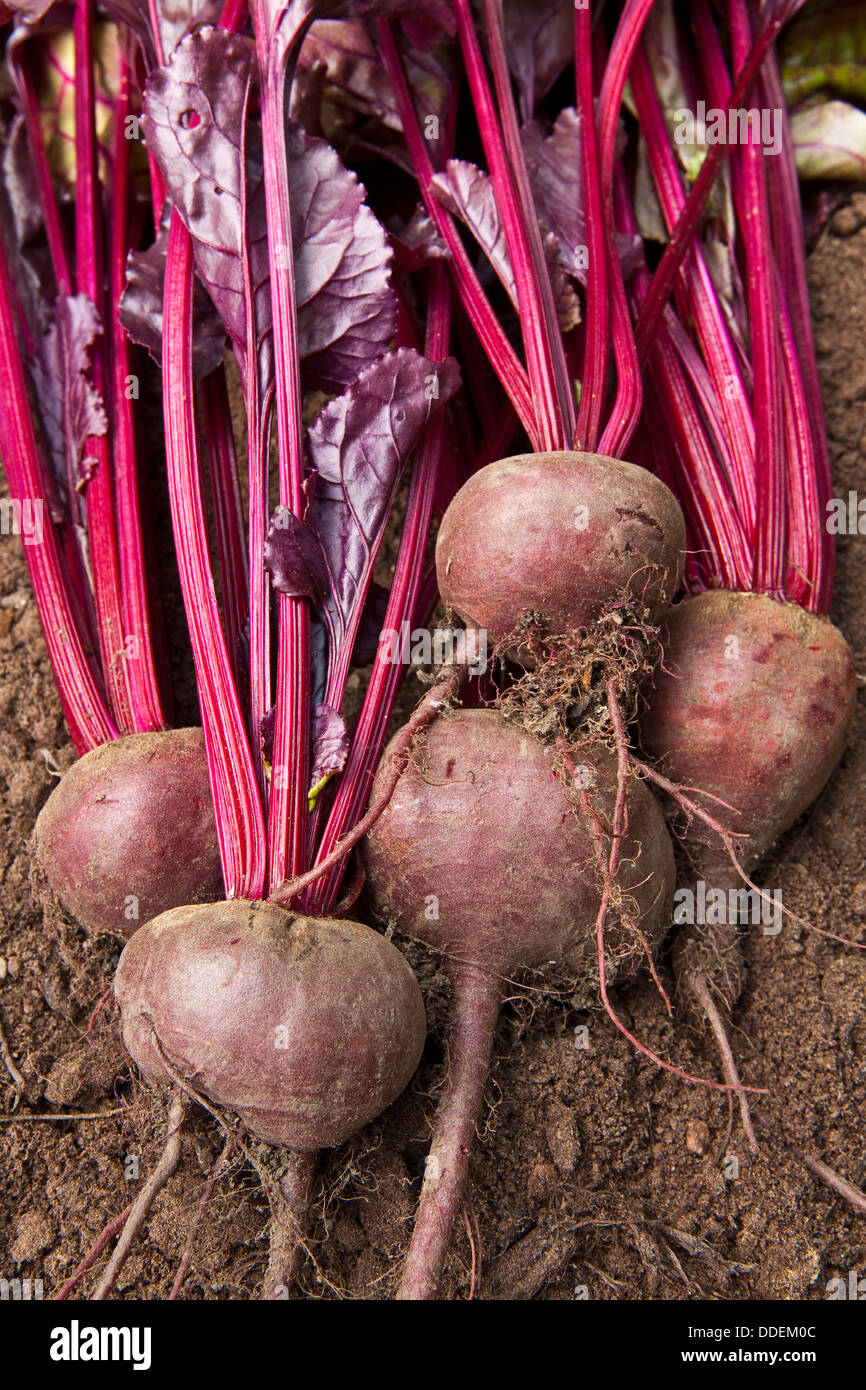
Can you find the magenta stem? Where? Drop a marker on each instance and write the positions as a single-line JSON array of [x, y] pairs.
[[228, 511], [369, 737], [239, 819], [593, 391], [99, 494], [84, 707], [495, 344], [142, 676]]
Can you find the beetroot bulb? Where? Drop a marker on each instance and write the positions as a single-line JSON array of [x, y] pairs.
[[129, 832], [306, 1028], [489, 857], [558, 537], [753, 705]]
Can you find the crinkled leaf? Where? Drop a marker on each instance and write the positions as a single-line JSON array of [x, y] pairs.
[[142, 301], [358, 446], [71, 409], [467, 192], [330, 742], [294, 558], [211, 160], [418, 243], [830, 141], [21, 229], [824, 49], [341, 78], [346, 308], [553, 163], [267, 725], [540, 45]]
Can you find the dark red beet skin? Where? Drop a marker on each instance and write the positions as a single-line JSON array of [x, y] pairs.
[[754, 705], [306, 1027], [484, 855], [487, 856], [558, 534], [130, 832]]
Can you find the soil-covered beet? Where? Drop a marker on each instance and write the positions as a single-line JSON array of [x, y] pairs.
[[130, 832], [306, 1027], [594, 1172]]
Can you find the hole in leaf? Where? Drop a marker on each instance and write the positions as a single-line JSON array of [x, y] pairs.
[[217, 190], [399, 416], [189, 119]]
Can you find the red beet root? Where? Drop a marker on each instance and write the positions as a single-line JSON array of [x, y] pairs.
[[129, 832], [754, 706], [485, 854], [306, 1027], [560, 535]]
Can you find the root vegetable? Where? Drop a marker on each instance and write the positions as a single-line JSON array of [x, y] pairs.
[[489, 857], [560, 536], [129, 832]]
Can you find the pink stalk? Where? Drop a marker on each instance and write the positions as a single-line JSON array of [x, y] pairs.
[[84, 707], [495, 344], [143, 680], [625, 412], [228, 511], [594, 382], [551, 427], [537, 290], [288, 815], [789, 238], [724, 555], [47, 198], [240, 823], [99, 497], [767, 403], [369, 737], [701, 298], [684, 231]]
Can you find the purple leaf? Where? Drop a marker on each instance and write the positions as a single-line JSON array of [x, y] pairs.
[[540, 45], [468, 193], [359, 445], [330, 742], [71, 409], [418, 243], [141, 306], [553, 162], [212, 162], [341, 74], [210, 157], [347, 310], [294, 558]]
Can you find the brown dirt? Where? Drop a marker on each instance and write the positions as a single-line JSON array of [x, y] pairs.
[[596, 1176]]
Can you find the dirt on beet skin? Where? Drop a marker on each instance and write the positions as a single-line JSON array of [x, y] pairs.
[[596, 1175]]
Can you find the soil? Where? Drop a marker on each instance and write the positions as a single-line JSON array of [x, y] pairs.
[[596, 1175]]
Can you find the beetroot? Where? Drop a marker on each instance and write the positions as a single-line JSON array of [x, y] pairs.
[[130, 832], [306, 1027], [753, 705], [490, 857], [560, 536]]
